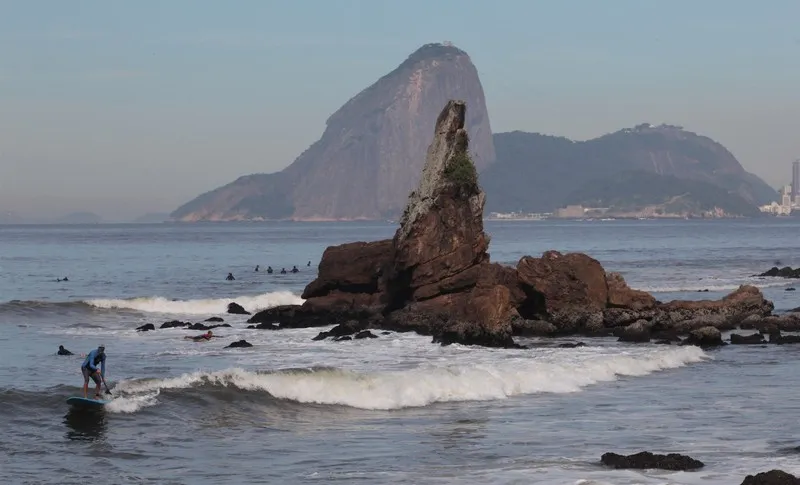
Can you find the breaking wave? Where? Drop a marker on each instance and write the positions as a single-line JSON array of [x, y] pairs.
[[157, 304], [409, 388]]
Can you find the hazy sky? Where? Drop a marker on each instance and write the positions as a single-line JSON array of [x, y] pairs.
[[122, 108]]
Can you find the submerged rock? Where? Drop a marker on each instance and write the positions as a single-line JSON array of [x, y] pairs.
[[202, 326], [755, 338], [239, 344], [146, 327], [571, 345], [175, 324], [646, 460]]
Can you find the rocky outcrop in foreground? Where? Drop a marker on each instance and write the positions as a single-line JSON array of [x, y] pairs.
[[435, 276]]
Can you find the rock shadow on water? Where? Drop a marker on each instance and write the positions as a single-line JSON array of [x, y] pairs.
[[86, 425]]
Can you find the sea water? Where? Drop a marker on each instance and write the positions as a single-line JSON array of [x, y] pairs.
[[396, 409]]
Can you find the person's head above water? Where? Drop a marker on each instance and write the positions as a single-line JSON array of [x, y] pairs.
[[60, 347], [101, 348]]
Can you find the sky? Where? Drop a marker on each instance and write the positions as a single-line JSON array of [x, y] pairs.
[[123, 108]]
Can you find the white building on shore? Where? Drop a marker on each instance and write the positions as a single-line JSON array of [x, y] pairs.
[[785, 206]]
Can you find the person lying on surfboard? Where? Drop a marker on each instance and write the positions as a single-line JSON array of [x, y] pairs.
[[89, 369], [201, 337]]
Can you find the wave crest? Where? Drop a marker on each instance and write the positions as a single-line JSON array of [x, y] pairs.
[[158, 304], [415, 387]]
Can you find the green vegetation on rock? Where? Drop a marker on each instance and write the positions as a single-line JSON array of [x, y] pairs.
[[460, 170]]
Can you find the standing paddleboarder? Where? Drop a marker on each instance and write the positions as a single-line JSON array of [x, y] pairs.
[[89, 369]]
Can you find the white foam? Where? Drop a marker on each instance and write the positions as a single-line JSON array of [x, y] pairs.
[[131, 404], [716, 286], [559, 373], [158, 304]]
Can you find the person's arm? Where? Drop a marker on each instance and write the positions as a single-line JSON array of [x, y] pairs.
[[103, 366], [90, 362]]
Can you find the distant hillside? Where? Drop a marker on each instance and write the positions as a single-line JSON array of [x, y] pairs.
[[371, 153], [631, 192], [539, 173]]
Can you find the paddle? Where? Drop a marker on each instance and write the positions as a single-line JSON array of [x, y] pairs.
[[108, 391]]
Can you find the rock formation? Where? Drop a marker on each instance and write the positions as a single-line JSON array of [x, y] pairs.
[[434, 277], [371, 153]]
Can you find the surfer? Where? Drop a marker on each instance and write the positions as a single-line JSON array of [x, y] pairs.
[[294, 269], [269, 269], [89, 369], [230, 277], [200, 338], [283, 270], [257, 266], [63, 351]]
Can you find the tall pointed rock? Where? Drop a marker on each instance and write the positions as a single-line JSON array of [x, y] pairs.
[[441, 231]]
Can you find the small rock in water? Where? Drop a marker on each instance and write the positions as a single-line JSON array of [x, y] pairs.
[[705, 337], [646, 460], [636, 332], [146, 327], [790, 289], [237, 309], [772, 477], [214, 319], [175, 324], [755, 338], [571, 345], [239, 344], [365, 334]]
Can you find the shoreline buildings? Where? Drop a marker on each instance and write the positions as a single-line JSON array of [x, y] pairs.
[[789, 196]]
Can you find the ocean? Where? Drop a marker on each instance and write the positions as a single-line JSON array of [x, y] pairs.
[[396, 409]]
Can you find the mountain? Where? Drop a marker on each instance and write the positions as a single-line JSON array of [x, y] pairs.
[[539, 173], [647, 193], [371, 153]]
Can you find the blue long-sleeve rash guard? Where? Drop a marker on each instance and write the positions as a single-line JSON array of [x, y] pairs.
[[93, 359]]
